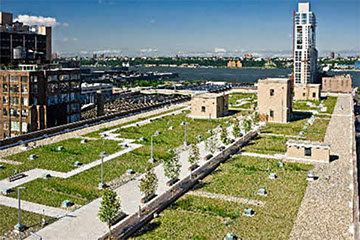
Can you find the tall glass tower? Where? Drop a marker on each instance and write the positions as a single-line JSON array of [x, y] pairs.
[[305, 53]]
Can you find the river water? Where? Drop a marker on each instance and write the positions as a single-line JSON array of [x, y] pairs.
[[232, 74]]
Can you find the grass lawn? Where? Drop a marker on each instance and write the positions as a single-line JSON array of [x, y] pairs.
[[291, 128], [239, 96], [31, 220], [314, 132], [194, 217], [267, 144], [82, 187], [317, 131], [9, 169], [330, 103], [63, 161], [302, 105], [95, 134]]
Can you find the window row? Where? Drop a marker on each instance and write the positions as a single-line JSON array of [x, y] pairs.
[[15, 112], [15, 88], [15, 126]]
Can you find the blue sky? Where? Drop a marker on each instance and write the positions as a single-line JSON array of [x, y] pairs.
[[201, 27]]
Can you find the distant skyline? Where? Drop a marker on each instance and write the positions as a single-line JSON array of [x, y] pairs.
[[187, 27]]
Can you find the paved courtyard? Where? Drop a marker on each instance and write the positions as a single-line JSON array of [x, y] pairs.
[[326, 209]]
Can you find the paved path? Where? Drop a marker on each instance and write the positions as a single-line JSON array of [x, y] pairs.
[[34, 207], [326, 209], [84, 223], [226, 198], [250, 154]]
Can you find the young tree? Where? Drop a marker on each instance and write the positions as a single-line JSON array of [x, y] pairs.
[[236, 131], [224, 135], [256, 117], [109, 208], [246, 125], [172, 166], [149, 183], [211, 144], [194, 155]]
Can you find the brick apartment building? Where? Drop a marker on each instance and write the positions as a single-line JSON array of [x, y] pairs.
[[23, 44], [32, 99], [337, 84]]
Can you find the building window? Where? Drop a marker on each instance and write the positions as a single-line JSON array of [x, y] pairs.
[[5, 100], [5, 88], [24, 88], [271, 113], [6, 124], [24, 78], [24, 101], [14, 101], [5, 112], [14, 88], [308, 152], [314, 95], [34, 78], [24, 112], [5, 78], [14, 112], [52, 78], [14, 78], [15, 126], [303, 94], [203, 109], [272, 92], [24, 126]]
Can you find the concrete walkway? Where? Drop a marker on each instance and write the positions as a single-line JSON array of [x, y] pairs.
[[250, 154], [326, 209], [33, 207], [84, 223], [226, 198]]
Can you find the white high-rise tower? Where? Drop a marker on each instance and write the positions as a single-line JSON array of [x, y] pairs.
[[305, 53]]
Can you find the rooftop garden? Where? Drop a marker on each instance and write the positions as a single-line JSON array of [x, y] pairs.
[[51, 158], [197, 217], [82, 188]]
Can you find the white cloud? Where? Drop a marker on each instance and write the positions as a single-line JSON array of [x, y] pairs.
[[152, 21], [40, 21], [144, 50], [66, 39], [219, 50]]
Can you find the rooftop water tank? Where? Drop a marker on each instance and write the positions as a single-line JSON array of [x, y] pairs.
[[19, 52]]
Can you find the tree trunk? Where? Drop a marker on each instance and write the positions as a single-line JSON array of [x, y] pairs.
[[109, 231]]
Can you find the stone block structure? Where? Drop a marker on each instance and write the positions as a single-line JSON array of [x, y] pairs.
[[209, 104], [275, 100], [308, 151], [307, 92]]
